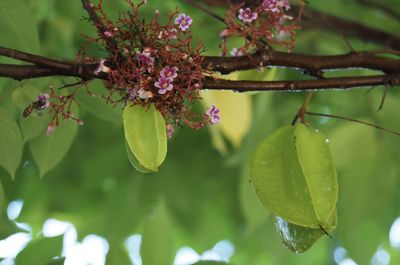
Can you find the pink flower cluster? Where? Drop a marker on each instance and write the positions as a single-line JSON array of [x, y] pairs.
[[166, 79], [275, 6]]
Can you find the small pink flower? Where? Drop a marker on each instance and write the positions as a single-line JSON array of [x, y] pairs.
[[247, 16], [133, 92], [225, 33], [43, 100], [172, 34], [102, 68], [170, 131], [213, 114], [164, 84], [143, 94], [108, 34], [184, 21], [168, 71], [236, 52], [145, 57], [50, 129]]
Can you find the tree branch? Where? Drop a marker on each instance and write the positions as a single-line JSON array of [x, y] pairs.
[[302, 85], [348, 28], [34, 59], [20, 72], [309, 63]]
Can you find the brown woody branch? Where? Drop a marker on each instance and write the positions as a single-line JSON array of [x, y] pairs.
[[20, 72], [340, 83], [315, 64], [310, 63]]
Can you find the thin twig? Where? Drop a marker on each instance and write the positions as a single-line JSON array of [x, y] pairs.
[[352, 120], [348, 28], [205, 10], [300, 114]]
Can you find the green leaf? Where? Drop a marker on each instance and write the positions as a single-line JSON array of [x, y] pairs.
[[316, 162], [298, 238], [2, 200], [146, 136], [48, 151], [35, 123], [158, 242], [369, 187], [118, 255], [134, 162], [11, 143], [253, 211], [40, 251], [19, 28], [281, 185], [24, 95], [96, 105]]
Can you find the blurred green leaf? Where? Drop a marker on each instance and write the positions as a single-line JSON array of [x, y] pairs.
[[158, 238], [145, 133], [35, 123], [24, 95], [369, 186], [19, 27], [2, 199], [11, 143], [8, 227], [48, 151], [33, 126], [235, 112], [118, 255], [40, 251], [96, 105], [254, 212]]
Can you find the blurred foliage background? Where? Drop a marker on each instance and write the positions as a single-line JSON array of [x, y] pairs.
[[200, 204]]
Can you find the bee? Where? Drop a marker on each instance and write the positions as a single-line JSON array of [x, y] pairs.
[[31, 107], [40, 104]]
